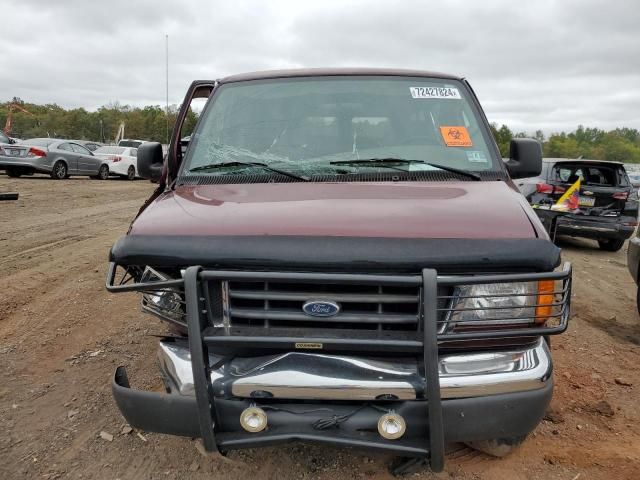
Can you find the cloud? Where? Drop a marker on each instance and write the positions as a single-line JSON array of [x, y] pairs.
[[546, 64]]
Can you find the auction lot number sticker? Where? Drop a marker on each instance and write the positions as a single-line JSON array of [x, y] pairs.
[[435, 92]]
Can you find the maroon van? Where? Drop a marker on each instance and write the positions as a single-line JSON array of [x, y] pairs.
[[343, 259]]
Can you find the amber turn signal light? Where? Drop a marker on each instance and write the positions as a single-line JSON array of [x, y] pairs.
[[546, 289]]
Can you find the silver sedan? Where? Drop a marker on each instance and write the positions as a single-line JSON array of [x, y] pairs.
[[58, 158]]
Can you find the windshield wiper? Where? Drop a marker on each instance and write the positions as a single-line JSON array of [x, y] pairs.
[[388, 163], [213, 166]]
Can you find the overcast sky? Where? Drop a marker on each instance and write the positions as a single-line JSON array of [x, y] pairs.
[[538, 64]]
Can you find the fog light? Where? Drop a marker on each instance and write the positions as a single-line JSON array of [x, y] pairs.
[[253, 419], [391, 426]]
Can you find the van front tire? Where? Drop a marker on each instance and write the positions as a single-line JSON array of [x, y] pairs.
[[499, 447]]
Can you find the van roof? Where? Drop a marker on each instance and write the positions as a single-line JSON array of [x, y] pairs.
[[328, 72]]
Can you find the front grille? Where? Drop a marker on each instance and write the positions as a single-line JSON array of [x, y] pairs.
[[362, 306]]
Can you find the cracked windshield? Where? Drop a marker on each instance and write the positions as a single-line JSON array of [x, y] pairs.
[[330, 126]]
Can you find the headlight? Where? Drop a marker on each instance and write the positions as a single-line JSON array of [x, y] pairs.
[[518, 303], [166, 304]]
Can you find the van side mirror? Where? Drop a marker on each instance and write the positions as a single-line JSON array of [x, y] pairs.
[[525, 158], [150, 161]]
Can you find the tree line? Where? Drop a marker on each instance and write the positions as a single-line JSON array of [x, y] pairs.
[[51, 120], [150, 123], [620, 144]]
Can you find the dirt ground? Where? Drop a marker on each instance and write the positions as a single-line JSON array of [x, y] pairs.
[[62, 335]]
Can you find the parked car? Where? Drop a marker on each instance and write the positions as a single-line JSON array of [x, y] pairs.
[[58, 158], [184, 144], [608, 203], [127, 142], [634, 178], [5, 139], [344, 259], [122, 161]]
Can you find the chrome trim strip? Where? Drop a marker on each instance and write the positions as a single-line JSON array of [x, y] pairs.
[[308, 376], [302, 376], [175, 366], [491, 373]]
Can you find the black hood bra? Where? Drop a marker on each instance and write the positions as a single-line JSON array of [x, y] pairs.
[[347, 254]]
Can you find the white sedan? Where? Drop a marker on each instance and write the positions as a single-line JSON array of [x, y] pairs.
[[122, 161]]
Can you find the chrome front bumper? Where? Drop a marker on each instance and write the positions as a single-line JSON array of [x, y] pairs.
[[311, 376]]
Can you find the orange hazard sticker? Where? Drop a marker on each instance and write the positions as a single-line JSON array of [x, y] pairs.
[[456, 136]]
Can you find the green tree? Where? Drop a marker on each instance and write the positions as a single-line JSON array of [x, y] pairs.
[[503, 136], [561, 146]]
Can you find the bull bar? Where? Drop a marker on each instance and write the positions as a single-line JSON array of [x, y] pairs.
[[199, 415]]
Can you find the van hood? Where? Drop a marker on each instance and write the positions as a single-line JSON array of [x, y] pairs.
[[469, 210]]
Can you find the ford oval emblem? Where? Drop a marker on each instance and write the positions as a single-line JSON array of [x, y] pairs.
[[321, 308]]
